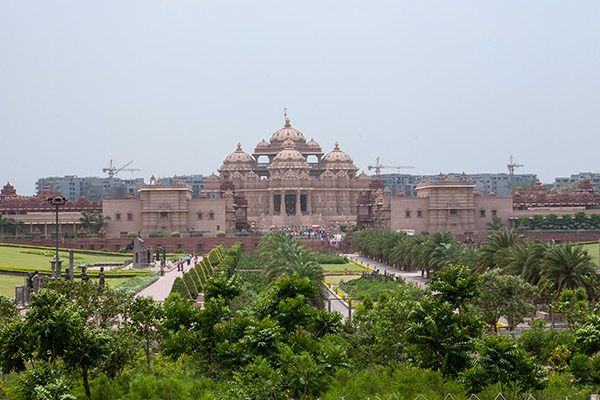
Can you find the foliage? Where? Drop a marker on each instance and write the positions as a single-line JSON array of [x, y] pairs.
[[249, 261], [500, 360], [372, 287], [503, 296], [136, 284], [496, 223], [331, 259], [282, 255], [181, 289]]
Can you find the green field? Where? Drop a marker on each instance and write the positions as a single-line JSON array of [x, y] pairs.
[[19, 257], [342, 267], [9, 282], [592, 250]]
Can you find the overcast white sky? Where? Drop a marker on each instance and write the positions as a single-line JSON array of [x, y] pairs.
[[173, 85]]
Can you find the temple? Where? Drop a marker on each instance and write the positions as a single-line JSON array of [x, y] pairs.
[[291, 182]]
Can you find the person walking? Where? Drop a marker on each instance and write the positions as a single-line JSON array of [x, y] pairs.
[[101, 278]]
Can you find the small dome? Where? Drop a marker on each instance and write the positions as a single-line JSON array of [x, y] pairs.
[[263, 144], [238, 157], [313, 145], [337, 156], [287, 132], [289, 157]]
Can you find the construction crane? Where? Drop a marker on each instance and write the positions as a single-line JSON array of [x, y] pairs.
[[379, 166], [511, 167], [112, 170]]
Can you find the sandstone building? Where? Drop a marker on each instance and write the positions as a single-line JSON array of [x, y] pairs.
[[291, 182]]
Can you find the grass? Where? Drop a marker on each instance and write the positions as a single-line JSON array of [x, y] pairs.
[[374, 288], [9, 282], [592, 250], [19, 257], [342, 267], [336, 279]]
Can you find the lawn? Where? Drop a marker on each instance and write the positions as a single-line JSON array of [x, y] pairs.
[[342, 267], [336, 279], [40, 259], [592, 250], [9, 282]]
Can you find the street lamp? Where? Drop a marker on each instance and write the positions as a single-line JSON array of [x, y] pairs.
[[56, 201]]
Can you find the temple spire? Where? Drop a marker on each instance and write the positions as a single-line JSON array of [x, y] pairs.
[[287, 119]]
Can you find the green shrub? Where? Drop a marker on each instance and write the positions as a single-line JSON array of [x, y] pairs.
[[180, 251], [580, 367], [175, 234], [197, 234], [194, 274], [189, 283], [331, 259], [134, 285], [221, 234], [249, 261], [131, 235], [180, 288]]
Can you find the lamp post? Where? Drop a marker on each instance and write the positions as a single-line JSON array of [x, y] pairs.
[[56, 201]]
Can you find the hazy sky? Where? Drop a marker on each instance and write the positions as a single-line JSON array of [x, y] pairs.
[[173, 85]]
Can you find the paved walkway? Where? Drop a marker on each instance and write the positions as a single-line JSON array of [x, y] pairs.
[[161, 289], [408, 276]]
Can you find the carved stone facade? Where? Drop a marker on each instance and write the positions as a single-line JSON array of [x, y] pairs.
[[454, 206], [168, 208], [291, 182]]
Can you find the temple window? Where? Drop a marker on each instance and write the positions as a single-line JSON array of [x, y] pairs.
[[419, 214], [482, 213], [129, 217], [164, 215], [453, 212], [407, 214], [211, 215], [218, 227], [117, 216], [199, 215], [494, 213]]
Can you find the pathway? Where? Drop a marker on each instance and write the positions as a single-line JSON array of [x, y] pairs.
[[408, 276], [161, 289]]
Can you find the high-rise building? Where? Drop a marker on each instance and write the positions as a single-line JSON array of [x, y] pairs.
[[499, 183], [92, 188]]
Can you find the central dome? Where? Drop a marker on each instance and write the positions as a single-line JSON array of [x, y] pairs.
[[288, 158], [287, 132]]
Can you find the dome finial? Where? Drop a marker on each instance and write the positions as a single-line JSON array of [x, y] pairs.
[[337, 145], [287, 119], [239, 146]]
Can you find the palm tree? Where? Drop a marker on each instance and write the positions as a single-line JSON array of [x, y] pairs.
[[10, 224], [492, 253], [526, 260], [567, 266], [87, 220], [99, 221], [281, 255]]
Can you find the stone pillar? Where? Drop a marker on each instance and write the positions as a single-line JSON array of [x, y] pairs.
[[298, 208], [308, 201]]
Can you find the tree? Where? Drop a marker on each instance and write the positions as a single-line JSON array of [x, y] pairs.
[[281, 255], [10, 225], [493, 252], [567, 266], [143, 318], [503, 296], [456, 285], [496, 223], [499, 359], [439, 338]]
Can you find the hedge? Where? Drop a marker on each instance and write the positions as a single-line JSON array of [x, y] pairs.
[[93, 273], [83, 251], [195, 278], [189, 282], [180, 288]]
